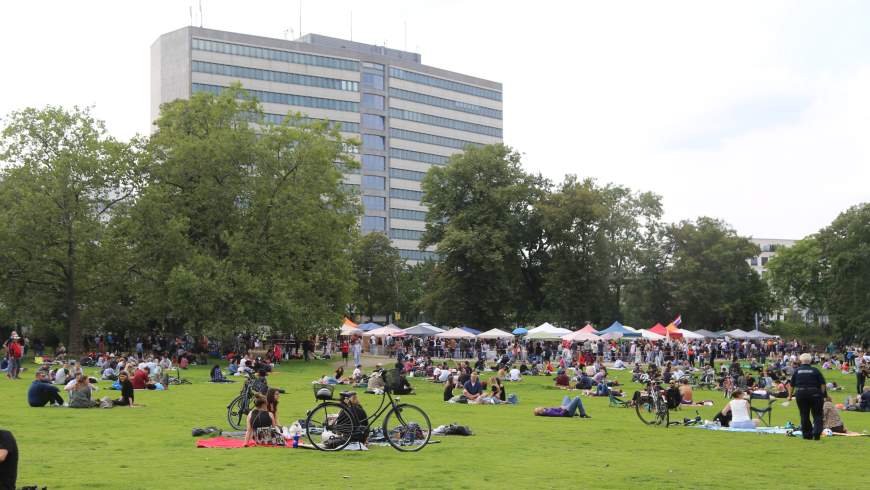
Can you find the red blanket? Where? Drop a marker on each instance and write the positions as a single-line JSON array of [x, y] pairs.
[[225, 442]]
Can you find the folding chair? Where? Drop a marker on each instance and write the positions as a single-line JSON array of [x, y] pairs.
[[763, 412], [617, 402]]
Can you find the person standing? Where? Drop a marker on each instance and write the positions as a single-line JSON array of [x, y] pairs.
[[344, 350], [808, 387], [357, 351], [8, 460], [15, 352], [861, 375]]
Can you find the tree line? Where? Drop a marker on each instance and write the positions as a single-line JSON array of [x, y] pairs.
[[219, 222]]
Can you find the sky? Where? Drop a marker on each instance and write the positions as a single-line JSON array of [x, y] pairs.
[[756, 113]]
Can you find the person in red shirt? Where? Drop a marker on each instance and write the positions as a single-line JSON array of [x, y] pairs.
[[344, 350], [140, 379]]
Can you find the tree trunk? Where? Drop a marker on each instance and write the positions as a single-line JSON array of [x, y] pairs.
[[75, 345]]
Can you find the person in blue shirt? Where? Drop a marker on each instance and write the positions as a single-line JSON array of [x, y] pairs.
[[472, 389], [42, 392]]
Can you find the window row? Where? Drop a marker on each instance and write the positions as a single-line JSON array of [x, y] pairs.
[[373, 66], [431, 139], [445, 84], [419, 255], [400, 234], [373, 121], [286, 99], [344, 126], [401, 173], [375, 163], [373, 203], [406, 194], [444, 103], [445, 122], [373, 101], [274, 76], [373, 142], [409, 214], [374, 223], [418, 156], [374, 182], [275, 54], [373, 80]]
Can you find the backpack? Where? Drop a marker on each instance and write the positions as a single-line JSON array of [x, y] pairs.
[[673, 396]]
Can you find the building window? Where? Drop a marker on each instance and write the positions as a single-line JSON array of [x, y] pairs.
[[405, 194], [372, 121], [431, 139], [445, 103], [753, 261], [274, 76], [373, 203], [445, 84], [374, 223], [409, 214], [400, 234], [286, 99], [401, 173], [373, 66], [371, 80], [420, 255], [373, 163], [764, 261], [418, 156], [373, 182], [373, 101], [274, 54], [372, 142], [344, 126], [445, 122]]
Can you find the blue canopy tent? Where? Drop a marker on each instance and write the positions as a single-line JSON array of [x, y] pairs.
[[618, 328], [520, 331], [470, 330], [365, 327]]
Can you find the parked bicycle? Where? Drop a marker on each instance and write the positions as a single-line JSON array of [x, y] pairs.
[[331, 425], [177, 379], [651, 405], [238, 409]]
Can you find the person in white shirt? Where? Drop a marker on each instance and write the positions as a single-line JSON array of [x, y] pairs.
[[444, 375], [739, 408], [357, 374], [618, 364], [514, 374]]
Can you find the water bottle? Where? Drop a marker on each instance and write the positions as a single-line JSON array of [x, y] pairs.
[[296, 440]]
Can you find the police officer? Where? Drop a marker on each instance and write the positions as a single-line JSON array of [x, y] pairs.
[[808, 387]]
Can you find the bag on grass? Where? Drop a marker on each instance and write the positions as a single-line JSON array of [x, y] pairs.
[[106, 402], [270, 436]]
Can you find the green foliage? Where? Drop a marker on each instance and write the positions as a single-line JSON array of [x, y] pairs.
[[65, 179], [377, 266], [796, 276]]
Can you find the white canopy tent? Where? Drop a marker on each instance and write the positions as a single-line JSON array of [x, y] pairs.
[[347, 330], [758, 334], [423, 330], [495, 334], [545, 335], [690, 335], [387, 331], [737, 334], [644, 333], [456, 333], [547, 327], [579, 336]]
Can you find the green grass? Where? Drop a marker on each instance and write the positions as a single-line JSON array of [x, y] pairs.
[[151, 447]]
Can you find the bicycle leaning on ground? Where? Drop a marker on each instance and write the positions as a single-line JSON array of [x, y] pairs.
[[331, 425], [238, 409], [651, 405]]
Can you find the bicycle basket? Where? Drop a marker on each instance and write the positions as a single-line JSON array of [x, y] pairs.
[[323, 392], [392, 380]]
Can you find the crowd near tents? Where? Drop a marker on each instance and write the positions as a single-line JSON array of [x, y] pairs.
[[548, 332]]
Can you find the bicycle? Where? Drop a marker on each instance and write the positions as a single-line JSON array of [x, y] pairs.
[[331, 425], [651, 405], [239, 408], [177, 379]]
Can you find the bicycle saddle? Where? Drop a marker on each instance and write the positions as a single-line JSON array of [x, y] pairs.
[[347, 394]]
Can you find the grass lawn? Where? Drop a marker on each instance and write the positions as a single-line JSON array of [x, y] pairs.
[[151, 447]]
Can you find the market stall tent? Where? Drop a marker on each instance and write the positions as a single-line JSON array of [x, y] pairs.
[[651, 335], [581, 336], [545, 335], [385, 332], [618, 328], [495, 334], [691, 335], [589, 329], [423, 330], [455, 333]]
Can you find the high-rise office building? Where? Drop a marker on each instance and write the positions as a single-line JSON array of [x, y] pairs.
[[408, 116]]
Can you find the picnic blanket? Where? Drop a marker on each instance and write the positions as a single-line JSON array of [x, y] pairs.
[[771, 430], [227, 443]]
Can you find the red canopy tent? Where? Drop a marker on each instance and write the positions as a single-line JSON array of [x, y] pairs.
[[661, 330], [589, 329]]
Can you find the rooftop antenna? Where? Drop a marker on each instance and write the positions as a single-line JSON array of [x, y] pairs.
[[190, 11], [300, 18], [406, 35], [351, 25], [200, 13]]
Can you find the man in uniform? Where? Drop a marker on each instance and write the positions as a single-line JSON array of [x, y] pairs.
[[808, 387]]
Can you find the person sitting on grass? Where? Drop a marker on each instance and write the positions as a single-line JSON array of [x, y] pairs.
[[569, 408], [109, 373], [404, 387], [42, 392], [497, 389], [141, 379], [686, 395], [80, 392], [272, 397], [738, 407], [562, 380], [584, 382], [258, 418], [376, 381], [360, 431], [217, 376], [127, 393], [339, 375], [472, 389], [832, 418], [514, 374], [618, 365]]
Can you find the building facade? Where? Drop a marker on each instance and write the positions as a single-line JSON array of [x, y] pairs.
[[408, 116], [768, 247]]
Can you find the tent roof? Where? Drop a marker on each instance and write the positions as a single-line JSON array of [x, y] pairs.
[[658, 329], [706, 333], [365, 327], [758, 334], [648, 334], [472, 331], [581, 336], [520, 331], [545, 335], [495, 334], [349, 322], [385, 331], [737, 334], [588, 329], [455, 333], [347, 330], [618, 328], [423, 330], [691, 335]]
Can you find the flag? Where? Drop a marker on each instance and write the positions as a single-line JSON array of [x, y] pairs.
[[678, 320]]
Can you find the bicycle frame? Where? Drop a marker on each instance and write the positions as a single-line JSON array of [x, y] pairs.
[[382, 408]]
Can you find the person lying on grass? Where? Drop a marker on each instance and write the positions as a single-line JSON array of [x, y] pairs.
[[569, 408], [739, 409]]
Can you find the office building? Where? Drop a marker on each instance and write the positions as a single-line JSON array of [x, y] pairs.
[[408, 116], [768, 247]]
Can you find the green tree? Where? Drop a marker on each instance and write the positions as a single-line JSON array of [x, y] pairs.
[[475, 204], [65, 178], [243, 223], [377, 267], [796, 276], [711, 284], [414, 281]]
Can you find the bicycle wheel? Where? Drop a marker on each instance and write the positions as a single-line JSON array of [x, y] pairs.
[[329, 426], [663, 415], [236, 412], [407, 427], [645, 408]]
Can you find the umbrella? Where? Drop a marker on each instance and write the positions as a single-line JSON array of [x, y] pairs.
[[520, 331], [495, 334], [580, 336], [455, 333]]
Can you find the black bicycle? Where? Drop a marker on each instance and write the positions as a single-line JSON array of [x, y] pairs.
[[331, 425], [177, 379], [238, 409], [651, 405]]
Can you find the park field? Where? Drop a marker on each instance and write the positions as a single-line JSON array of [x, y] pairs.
[[151, 447]]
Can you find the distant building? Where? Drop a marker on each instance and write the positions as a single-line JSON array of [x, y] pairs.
[[407, 115], [768, 246]]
